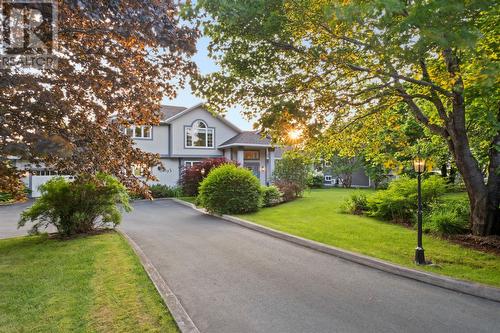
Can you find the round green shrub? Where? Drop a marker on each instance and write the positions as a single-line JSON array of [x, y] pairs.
[[271, 196], [230, 190]]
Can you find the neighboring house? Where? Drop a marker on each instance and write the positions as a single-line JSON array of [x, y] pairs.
[[358, 177], [184, 137]]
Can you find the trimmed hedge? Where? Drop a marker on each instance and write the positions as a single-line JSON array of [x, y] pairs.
[[230, 190]]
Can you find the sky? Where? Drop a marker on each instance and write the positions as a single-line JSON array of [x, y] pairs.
[[185, 97]]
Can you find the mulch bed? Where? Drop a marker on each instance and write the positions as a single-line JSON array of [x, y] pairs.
[[97, 231], [490, 244]]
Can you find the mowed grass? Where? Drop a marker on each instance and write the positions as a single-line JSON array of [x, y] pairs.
[[189, 199], [87, 284], [317, 216]]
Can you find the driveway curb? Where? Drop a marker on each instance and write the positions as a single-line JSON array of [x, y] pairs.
[[469, 288], [175, 307]]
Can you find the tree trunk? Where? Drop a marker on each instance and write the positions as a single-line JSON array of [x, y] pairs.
[[493, 186], [444, 170], [452, 175], [484, 198]]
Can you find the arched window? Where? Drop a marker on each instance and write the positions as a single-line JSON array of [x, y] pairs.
[[201, 124], [199, 135]]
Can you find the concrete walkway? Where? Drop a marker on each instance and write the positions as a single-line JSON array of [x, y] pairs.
[[232, 279]]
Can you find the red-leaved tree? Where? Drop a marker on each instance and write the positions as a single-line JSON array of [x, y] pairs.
[[191, 177]]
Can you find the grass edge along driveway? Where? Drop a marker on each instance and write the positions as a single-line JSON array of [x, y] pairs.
[[317, 216], [87, 284]]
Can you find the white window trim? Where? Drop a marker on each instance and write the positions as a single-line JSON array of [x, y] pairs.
[[328, 178], [133, 127], [190, 163], [207, 130]]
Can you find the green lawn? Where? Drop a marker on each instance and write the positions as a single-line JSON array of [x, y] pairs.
[[88, 284], [316, 216], [188, 199]]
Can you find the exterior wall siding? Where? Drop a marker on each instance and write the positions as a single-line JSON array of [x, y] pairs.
[[170, 175], [222, 133], [359, 179], [158, 143]]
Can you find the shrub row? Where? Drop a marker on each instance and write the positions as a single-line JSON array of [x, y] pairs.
[[399, 203], [165, 191], [448, 217]]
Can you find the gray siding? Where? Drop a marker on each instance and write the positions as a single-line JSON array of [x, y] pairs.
[[222, 133], [158, 143], [170, 175], [359, 178]]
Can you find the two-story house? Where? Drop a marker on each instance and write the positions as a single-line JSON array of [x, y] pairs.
[[186, 136]]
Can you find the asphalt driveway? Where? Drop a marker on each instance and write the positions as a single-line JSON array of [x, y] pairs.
[[9, 215], [232, 279]]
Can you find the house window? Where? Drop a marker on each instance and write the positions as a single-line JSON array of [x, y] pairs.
[[251, 155], [328, 178], [139, 132], [191, 163], [138, 170], [44, 172], [199, 135]]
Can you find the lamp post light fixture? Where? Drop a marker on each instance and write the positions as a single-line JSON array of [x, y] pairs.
[[419, 167]]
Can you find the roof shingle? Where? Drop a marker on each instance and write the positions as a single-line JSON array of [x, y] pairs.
[[248, 138], [168, 111]]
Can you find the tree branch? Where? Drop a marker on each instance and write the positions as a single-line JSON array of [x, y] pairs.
[[435, 98], [417, 112], [402, 77]]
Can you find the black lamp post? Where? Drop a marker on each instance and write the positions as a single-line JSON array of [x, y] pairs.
[[419, 166]]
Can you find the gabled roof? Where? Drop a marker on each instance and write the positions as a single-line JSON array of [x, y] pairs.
[[247, 138], [170, 113]]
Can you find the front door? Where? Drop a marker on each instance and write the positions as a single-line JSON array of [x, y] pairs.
[[254, 167]]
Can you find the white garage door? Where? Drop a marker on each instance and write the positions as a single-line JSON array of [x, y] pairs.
[[36, 181]]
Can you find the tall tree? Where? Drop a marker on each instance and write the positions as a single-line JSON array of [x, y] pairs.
[[116, 60], [327, 64]]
